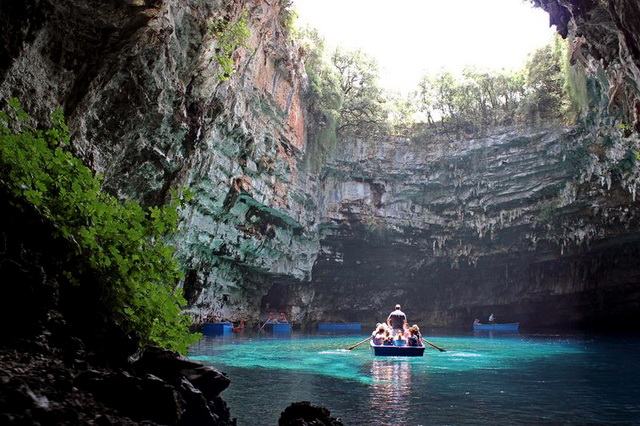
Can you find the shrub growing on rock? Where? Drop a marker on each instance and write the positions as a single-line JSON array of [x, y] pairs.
[[115, 246]]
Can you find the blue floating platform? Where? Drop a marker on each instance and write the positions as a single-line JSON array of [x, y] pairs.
[[217, 328], [278, 327], [339, 326]]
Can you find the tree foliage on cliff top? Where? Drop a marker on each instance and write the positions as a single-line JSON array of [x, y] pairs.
[[479, 100], [344, 97], [323, 97], [345, 89], [363, 111], [115, 243]]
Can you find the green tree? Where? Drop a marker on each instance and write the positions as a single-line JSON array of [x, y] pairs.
[[401, 113], [545, 96], [512, 92], [446, 91], [324, 97], [363, 110], [477, 100]]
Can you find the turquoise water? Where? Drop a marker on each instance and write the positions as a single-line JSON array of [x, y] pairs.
[[482, 379]]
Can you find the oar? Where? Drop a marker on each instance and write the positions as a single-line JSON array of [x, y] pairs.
[[431, 344], [359, 343]]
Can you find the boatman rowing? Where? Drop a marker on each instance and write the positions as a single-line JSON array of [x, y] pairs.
[[396, 320]]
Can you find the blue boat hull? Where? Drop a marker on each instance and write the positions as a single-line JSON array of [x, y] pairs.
[[497, 327], [388, 350]]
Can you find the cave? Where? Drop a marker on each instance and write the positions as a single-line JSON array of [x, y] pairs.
[[531, 217]]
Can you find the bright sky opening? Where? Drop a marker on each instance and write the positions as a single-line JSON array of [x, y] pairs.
[[410, 38]]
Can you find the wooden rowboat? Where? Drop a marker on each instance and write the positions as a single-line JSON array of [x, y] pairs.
[[497, 327], [392, 350]]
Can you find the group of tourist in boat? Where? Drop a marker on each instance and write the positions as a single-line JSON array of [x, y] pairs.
[[396, 331], [282, 319], [492, 320]]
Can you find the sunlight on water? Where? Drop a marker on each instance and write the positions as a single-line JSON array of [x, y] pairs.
[[528, 379], [327, 355], [322, 356]]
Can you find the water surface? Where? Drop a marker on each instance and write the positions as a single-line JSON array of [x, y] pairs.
[[482, 378]]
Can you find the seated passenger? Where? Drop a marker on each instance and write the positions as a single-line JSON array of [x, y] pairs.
[[271, 319], [375, 330], [379, 334], [388, 339], [406, 330], [399, 339], [415, 339]]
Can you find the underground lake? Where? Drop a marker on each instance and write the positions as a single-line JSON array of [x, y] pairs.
[[482, 378]]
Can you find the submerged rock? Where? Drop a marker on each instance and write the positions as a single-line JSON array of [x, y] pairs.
[[306, 414]]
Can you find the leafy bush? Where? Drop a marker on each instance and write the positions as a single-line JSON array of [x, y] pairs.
[[363, 110], [288, 17], [344, 99], [115, 242], [230, 36], [546, 97]]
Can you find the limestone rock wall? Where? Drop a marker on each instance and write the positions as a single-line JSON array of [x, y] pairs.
[[512, 223], [140, 85], [534, 226], [605, 39]]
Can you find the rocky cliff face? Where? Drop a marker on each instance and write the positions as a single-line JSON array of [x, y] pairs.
[[141, 86], [517, 223], [536, 226], [605, 39], [514, 223]]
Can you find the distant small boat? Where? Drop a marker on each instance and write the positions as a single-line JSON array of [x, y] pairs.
[[392, 350], [513, 326]]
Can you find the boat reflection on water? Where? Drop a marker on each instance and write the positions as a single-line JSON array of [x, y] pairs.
[[391, 391]]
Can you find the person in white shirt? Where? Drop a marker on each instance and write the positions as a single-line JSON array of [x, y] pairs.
[[396, 320]]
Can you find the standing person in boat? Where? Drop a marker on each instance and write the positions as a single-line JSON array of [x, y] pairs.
[[396, 320], [492, 319]]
